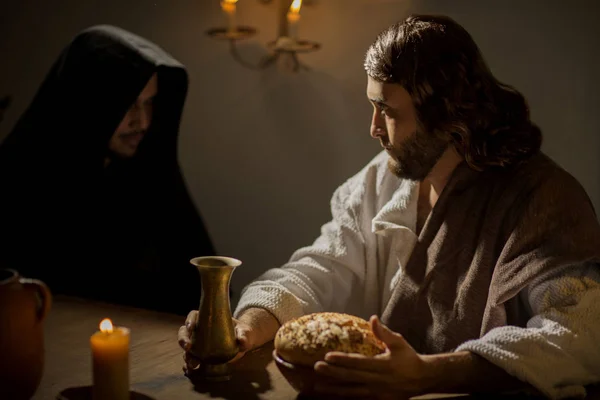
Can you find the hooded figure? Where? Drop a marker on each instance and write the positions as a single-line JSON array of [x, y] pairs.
[[92, 200]]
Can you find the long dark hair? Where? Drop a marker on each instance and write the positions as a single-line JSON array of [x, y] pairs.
[[453, 90]]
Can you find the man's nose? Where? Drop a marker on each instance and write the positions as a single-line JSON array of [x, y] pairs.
[[140, 118], [377, 125], [144, 119]]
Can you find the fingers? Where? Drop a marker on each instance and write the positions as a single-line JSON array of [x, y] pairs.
[[183, 338], [358, 361], [190, 363], [191, 319], [242, 337], [393, 340], [184, 333]]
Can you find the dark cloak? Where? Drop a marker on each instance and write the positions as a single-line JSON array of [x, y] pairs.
[[124, 233]]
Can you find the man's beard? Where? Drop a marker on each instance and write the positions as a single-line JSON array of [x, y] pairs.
[[417, 156]]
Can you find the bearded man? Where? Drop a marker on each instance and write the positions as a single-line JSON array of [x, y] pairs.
[[478, 253]]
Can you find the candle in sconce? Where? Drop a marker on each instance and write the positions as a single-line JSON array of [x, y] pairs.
[[110, 362], [229, 7], [293, 16]]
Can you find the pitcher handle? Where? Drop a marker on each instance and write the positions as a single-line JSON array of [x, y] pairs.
[[44, 294]]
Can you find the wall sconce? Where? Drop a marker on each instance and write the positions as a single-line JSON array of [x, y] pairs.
[[287, 43]]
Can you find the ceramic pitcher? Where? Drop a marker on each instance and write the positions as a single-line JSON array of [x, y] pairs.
[[24, 303]]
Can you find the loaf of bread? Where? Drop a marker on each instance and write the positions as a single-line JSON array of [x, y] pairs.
[[306, 340]]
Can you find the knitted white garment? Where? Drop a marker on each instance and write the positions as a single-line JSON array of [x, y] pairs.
[[360, 254], [348, 268], [558, 351]]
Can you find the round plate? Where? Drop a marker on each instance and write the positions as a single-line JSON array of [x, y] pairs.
[[241, 33]]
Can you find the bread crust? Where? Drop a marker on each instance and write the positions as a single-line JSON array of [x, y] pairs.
[[306, 340]]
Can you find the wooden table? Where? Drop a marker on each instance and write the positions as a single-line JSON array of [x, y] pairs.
[[155, 358]]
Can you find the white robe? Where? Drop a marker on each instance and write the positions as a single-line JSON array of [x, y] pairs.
[[352, 268]]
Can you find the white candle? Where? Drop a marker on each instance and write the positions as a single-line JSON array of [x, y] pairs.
[[110, 362], [229, 7], [293, 16]]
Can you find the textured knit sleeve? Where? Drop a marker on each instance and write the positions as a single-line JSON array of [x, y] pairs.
[[558, 352], [318, 277]]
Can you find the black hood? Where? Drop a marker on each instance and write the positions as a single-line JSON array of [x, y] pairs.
[[88, 91], [59, 202]]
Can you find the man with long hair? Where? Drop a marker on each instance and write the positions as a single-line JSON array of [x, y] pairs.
[[478, 252]]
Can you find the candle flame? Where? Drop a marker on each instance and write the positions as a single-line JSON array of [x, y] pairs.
[[228, 6], [106, 326], [295, 7]]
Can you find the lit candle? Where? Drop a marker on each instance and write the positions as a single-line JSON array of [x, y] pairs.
[[293, 16], [229, 7], [110, 361]]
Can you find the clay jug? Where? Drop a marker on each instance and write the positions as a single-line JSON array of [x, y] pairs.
[[24, 303]]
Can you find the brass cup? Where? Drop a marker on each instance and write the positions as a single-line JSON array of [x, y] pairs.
[[213, 338]]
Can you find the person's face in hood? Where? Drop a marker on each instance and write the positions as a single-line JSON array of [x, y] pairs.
[[130, 132]]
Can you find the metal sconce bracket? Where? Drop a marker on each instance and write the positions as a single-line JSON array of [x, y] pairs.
[[283, 46]]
